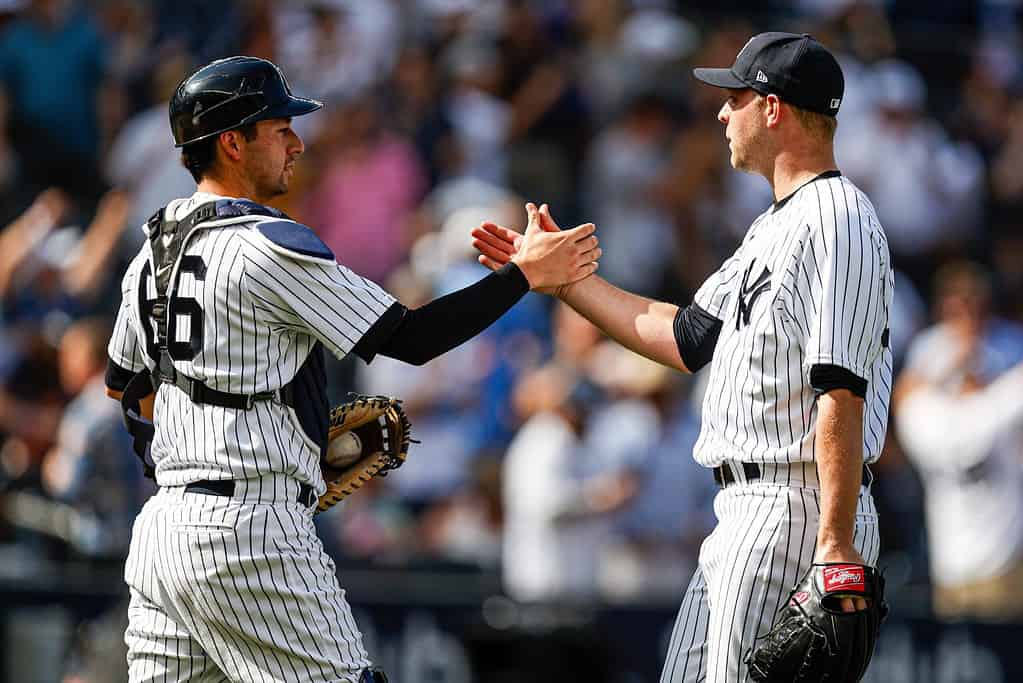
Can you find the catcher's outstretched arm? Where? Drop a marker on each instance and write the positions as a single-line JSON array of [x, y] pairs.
[[418, 335]]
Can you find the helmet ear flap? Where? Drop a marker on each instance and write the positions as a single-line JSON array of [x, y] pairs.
[[231, 93]]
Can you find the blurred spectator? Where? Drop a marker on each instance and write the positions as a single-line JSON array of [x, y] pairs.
[[143, 161], [466, 527], [31, 403], [625, 54], [47, 268], [548, 126], [52, 63], [459, 402], [624, 163], [660, 533], [574, 463], [480, 119], [603, 69], [92, 467], [926, 188], [337, 49], [206, 30], [370, 185], [1007, 164], [959, 412], [416, 110]]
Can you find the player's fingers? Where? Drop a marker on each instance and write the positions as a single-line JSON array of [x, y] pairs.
[[490, 251], [531, 214], [584, 271], [847, 605], [489, 262], [860, 604], [580, 232], [500, 232], [591, 255], [546, 220], [494, 240]]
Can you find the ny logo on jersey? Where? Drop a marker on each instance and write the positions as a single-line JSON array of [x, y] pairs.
[[748, 293]]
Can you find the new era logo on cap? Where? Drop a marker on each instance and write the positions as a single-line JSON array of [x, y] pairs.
[[762, 77], [835, 102]]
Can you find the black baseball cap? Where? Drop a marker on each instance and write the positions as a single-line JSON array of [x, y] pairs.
[[795, 67]]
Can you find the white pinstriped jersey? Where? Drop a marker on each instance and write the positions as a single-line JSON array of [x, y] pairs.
[[260, 310], [810, 284]]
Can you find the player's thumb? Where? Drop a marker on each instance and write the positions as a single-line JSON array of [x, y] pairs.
[[546, 221], [533, 219]]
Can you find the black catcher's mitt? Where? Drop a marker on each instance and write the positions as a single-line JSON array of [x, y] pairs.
[[813, 640], [369, 436]]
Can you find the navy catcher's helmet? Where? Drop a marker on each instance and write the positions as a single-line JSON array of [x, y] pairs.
[[231, 93]]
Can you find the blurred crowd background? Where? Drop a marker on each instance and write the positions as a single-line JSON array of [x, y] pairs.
[[549, 457]]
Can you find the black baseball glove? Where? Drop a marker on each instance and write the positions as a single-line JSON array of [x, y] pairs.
[[813, 640]]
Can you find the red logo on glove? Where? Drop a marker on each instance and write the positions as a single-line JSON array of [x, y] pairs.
[[845, 578]]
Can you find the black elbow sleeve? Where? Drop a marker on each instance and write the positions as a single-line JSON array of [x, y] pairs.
[[825, 377], [696, 333]]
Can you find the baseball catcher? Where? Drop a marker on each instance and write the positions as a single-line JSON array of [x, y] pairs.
[[369, 436], [813, 639]]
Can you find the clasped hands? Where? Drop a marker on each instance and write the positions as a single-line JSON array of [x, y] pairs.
[[549, 258]]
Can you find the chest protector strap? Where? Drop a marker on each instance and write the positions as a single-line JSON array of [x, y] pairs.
[[167, 239]]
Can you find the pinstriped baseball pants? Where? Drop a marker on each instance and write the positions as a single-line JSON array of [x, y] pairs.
[[763, 544], [235, 589]]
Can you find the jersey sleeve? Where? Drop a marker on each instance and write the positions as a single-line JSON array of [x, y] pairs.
[[124, 349], [843, 286], [714, 294], [326, 300]]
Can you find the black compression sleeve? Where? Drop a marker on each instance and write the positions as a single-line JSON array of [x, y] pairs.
[[421, 334], [696, 333]]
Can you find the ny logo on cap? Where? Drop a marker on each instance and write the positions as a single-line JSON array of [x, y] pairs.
[[761, 76]]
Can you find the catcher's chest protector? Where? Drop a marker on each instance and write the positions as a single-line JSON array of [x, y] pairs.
[[306, 393]]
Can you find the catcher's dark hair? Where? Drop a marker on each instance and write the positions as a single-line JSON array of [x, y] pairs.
[[198, 157]]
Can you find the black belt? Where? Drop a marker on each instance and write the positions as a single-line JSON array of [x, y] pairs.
[[724, 477], [225, 487]]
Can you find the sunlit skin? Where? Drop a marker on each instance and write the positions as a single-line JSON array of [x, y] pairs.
[[259, 169], [270, 158], [743, 116]]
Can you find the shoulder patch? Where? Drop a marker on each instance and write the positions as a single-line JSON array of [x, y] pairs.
[[295, 239]]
